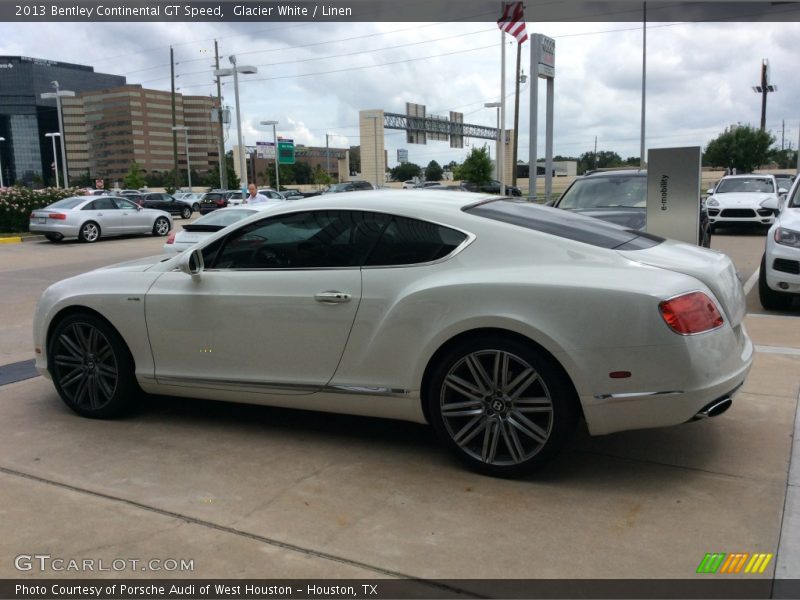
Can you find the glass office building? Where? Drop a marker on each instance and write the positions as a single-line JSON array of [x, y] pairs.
[[26, 155]]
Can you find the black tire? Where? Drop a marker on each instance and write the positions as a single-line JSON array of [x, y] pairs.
[[92, 368], [195, 207], [705, 237], [500, 432], [186, 212], [712, 229], [54, 237], [770, 299], [89, 232], [161, 227]]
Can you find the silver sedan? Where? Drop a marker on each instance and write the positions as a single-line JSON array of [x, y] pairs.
[[90, 217]]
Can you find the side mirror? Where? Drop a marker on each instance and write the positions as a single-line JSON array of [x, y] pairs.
[[770, 203], [191, 263], [783, 190], [710, 191]]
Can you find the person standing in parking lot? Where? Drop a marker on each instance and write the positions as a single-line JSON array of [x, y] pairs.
[[254, 197]]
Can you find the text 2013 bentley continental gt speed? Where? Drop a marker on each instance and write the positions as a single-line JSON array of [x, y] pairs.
[[497, 321]]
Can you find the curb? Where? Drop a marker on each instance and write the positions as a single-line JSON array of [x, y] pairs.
[[20, 239]]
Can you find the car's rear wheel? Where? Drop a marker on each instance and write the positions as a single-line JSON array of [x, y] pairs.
[[161, 226], [186, 212], [770, 299], [54, 237], [89, 232], [195, 207], [500, 405], [91, 366]]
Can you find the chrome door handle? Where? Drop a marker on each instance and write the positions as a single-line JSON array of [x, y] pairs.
[[332, 297]]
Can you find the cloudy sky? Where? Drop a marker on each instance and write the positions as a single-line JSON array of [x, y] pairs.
[[314, 78]]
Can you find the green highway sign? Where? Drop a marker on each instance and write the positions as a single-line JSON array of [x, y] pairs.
[[286, 152]]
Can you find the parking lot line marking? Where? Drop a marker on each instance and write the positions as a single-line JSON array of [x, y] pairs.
[[751, 281], [778, 350]]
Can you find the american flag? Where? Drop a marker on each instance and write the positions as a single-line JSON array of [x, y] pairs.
[[513, 21]]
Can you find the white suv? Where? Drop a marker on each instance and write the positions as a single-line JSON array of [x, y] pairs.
[[741, 198], [779, 279]]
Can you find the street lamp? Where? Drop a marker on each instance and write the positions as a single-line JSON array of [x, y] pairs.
[[497, 154], [2, 185], [185, 129], [53, 137], [275, 142], [58, 94], [245, 70]]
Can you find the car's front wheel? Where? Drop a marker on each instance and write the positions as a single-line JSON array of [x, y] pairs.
[[186, 212], [161, 226], [89, 232], [770, 299], [195, 207], [91, 366], [501, 405]]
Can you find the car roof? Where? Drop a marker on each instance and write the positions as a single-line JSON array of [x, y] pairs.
[[748, 176]]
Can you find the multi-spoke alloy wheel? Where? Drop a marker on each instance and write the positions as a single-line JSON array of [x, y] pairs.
[[90, 232], [91, 367], [501, 406], [161, 226]]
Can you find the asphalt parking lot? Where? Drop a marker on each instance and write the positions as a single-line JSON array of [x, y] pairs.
[[257, 492]]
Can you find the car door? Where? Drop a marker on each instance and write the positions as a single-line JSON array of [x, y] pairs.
[[271, 311], [133, 218], [105, 213]]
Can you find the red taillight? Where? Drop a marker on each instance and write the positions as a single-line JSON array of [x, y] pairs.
[[691, 313], [59, 216], [171, 237]]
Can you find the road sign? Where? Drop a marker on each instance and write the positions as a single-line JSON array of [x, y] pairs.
[[286, 152]]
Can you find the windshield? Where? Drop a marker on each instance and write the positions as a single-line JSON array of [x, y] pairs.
[[745, 184], [605, 192], [68, 203]]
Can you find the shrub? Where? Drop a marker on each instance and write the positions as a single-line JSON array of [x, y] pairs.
[[16, 204]]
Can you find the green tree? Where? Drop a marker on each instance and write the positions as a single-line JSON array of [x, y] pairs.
[[604, 159], [320, 177], [477, 167], [302, 173], [405, 171], [134, 179], [233, 180], [743, 148], [433, 172]]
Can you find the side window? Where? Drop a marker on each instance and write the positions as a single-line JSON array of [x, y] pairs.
[[166, 197], [125, 204], [409, 241], [101, 204], [315, 239]]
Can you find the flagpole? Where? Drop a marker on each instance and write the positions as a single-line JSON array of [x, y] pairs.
[[501, 154]]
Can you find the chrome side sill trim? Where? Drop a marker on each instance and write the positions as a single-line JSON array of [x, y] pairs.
[[629, 395], [277, 387]]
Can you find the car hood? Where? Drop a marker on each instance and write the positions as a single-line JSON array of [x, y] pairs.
[[713, 268], [747, 199], [140, 264], [628, 217]]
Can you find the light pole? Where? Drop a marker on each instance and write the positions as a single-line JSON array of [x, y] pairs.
[[275, 142], [498, 154], [185, 130], [53, 137], [2, 185], [765, 88], [235, 70], [58, 95]]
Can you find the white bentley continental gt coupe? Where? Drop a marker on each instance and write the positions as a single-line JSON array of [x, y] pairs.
[[498, 322]]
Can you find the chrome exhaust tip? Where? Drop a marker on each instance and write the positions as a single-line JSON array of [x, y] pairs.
[[716, 408]]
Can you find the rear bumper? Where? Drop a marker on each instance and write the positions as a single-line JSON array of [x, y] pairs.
[[684, 380], [63, 229]]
